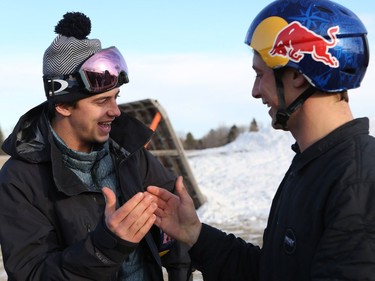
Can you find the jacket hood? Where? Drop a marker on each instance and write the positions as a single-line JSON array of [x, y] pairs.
[[31, 137]]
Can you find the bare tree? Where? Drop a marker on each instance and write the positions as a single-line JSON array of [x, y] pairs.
[[215, 138]]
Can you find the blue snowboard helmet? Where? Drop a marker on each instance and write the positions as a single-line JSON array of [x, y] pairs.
[[322, 39]]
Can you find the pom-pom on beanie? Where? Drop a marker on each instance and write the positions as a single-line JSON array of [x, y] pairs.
[[71, 47]]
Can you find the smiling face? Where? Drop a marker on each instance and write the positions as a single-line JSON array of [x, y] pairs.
[[265, 87], [88, 122], [294, 83]]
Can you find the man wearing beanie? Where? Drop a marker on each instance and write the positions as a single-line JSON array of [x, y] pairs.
[[72, 201]]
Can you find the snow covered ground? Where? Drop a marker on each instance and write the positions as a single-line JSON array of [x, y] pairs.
[[239, 181]]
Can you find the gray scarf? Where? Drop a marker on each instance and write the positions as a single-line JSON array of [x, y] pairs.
[[96, 170]]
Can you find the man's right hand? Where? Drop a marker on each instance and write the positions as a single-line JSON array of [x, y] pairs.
[[176, 214]]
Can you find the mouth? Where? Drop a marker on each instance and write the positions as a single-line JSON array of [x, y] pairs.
[[105, 124], [105, 127], [266, 103], [268, 106]]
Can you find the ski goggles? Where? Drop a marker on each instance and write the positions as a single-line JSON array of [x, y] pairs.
[[104, 71], [101, 72]]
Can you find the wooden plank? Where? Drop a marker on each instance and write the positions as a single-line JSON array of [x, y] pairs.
[[3, 158], [165, 144]]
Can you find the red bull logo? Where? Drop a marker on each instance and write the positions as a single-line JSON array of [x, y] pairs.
[[294, 41]]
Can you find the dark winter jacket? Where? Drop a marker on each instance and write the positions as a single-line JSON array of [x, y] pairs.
[[52, 227], [322, 220]]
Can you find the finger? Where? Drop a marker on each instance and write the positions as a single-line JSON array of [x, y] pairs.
[[158, 220], [122, 212], [160, 193], [110, 200], [161, 205], [159, 212], [144, 229], [159, 201], [139, 211], [181, 190], [141, 219]]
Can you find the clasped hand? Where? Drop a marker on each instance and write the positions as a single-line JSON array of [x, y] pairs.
[[133, 219], [176, 214], [173, 213]]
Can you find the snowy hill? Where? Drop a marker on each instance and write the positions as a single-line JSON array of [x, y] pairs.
[[239, 180]]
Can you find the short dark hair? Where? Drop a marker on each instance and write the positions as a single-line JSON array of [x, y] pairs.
[[344, 96]]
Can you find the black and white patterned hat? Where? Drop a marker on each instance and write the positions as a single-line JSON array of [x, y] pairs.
[[71, 47]]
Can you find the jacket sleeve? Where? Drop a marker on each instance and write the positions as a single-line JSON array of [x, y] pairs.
[[32, 246], [223, 257]]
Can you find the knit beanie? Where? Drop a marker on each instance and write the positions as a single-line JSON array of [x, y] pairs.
[[70, 48]]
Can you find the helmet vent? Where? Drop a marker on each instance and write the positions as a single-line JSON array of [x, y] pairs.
[[345, 12], [324, 10], [349, 71]]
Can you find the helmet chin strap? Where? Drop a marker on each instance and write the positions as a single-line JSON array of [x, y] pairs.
[[283, 113]]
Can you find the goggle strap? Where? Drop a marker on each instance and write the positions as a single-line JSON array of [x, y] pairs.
[[67, 84]]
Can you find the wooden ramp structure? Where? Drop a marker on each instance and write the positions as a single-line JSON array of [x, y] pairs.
[[165, 144], [3, 158]]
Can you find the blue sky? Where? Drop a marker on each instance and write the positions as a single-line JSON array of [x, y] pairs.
[[189, 55]]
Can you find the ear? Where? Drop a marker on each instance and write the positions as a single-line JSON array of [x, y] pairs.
[[63, 109]]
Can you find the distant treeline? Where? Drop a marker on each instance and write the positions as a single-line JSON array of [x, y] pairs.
[[1, 142], [214, 138], [217, 137]]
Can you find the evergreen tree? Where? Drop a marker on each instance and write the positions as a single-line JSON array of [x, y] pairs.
[[190, 142], [253, 126], [1, 142], [233, 134]]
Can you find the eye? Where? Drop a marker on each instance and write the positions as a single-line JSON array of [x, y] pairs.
[[258, 73], [101, 101]]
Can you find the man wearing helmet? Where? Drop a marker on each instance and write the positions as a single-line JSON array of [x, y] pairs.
[[321, 226]]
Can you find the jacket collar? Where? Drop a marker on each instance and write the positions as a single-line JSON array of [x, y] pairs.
[[29, 139], [347, 131]]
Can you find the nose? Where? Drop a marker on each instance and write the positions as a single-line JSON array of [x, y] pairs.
[[255, 91], [114, 110]]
